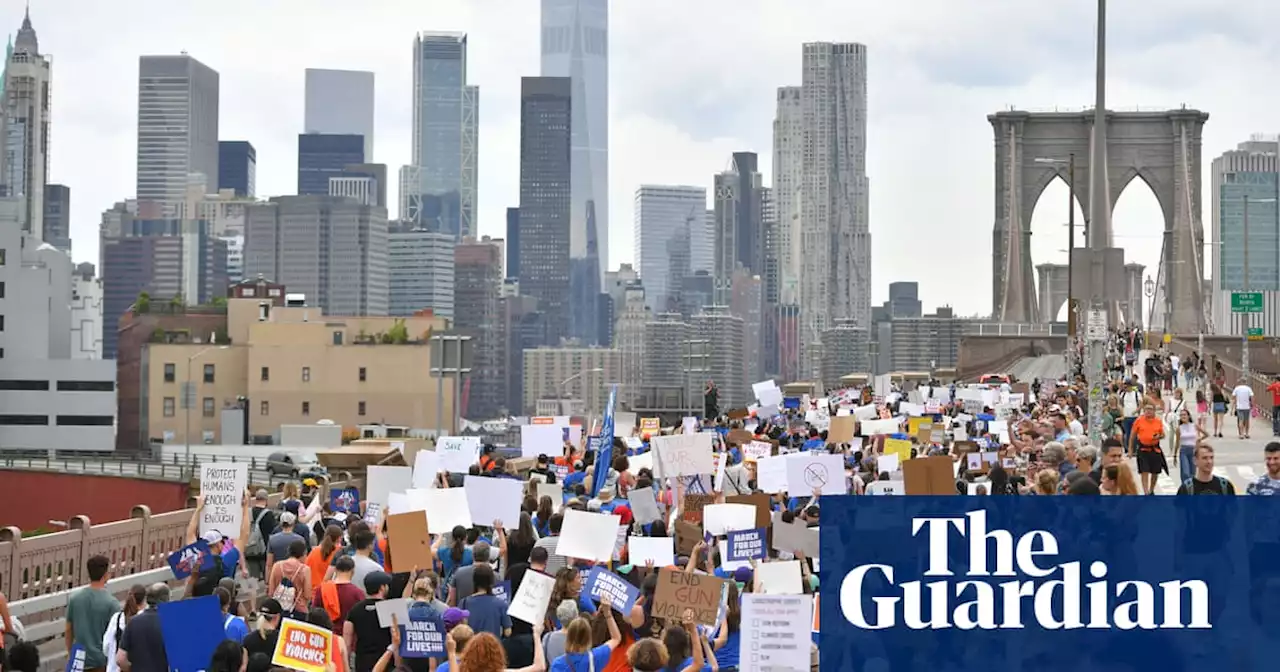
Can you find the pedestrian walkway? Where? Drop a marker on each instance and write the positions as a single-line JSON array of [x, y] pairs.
[[1240, 476]]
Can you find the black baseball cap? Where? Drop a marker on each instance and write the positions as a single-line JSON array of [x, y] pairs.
[[374, 581], [270, 607]]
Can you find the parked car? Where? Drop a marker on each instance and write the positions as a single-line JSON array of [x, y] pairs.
[[995, 379], [295, 464]]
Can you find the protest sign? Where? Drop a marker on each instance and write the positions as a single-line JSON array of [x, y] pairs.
[[191, 629], [185, 560], [779, 578], [372, 511], [491, 499], [427, 466], [747, 544], [719, 519], [601, 583], [458, 453], [809, 471], [899, 447], [588, 536], [793, 537], [693, 506], [783, 621], [756, 450], [222, 487], [661, 550], [684, 454], [679, 591], [644, 506], [538, 440], [422, 635], [530, 602], [929, 476], [446, 508], [761, 502], [301, 646], [886, 488], [382, 480], [842, 429], [412, 543], [650, 426], [344, 500], [75, 659], [399, 608], [687, 536]]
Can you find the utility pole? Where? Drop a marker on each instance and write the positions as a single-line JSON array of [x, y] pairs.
[[1100, 239], [1245, 318], [1073, 315]]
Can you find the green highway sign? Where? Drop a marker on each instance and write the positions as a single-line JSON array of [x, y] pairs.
[[1246, 302], [1255, 333]]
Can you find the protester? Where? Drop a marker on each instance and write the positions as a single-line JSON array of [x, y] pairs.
[[228, 657], [1204, 482], [142, 645], [233, 626], [365, 637], [264, 637], [290, 582], [134, 602], [89, 613]]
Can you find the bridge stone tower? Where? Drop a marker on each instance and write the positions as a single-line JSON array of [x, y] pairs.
[[1161, 148]]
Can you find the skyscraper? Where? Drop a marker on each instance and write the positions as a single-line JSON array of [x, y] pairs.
[[24, 127], [667, 218], [575, 44], [321, 157], [438, 188], [340, 102], [1250, 172], [835, 234], [177, 126], [57, 216], [478, 286], [545, 156], [788, 176], [420, 270], [513, 242], [237, 167]]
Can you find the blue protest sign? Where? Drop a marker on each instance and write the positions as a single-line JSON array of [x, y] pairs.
[[192, 629], [344, 500], [1054, 584], [75, 659], [185, 560], [600, 582], [423, 637], [503, 590], [746, 545]]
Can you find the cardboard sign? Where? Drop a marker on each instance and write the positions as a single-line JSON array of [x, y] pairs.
[[222, 486], [929, 476], [842, 429], [601, 582], [747, 545], [680, 591], [407, 532], [693, 506], [687, 536], [302, 646], [739, 436]]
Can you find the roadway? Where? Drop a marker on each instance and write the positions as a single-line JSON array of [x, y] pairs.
[[1044, 366]]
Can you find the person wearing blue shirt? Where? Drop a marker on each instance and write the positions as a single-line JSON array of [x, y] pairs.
[[574, 479], [457, 556], [579, 655]]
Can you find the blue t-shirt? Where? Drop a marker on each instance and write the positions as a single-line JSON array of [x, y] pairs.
[[446, 560], [574, 479], [488, 613], [579, 662], [230, 560], [235, 628], [727, 655]]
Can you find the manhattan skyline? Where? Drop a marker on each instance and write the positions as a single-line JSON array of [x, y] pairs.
[[684, 95]]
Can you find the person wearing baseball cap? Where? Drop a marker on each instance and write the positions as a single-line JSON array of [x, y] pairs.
[[367, 639], [263, 639]]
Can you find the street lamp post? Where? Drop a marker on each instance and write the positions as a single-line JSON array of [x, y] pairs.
[[189, 400], [1149, 291], [576, 376]]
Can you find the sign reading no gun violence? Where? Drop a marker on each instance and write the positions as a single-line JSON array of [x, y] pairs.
[[222, 486]]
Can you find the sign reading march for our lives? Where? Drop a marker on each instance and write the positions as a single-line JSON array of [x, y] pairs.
[[746, 545], [75, 659], [601, 582], [187, 559], [1052, 584], [422, 637]]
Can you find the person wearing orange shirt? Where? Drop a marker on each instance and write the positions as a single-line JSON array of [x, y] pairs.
[[1147, 432], [1274, 389]]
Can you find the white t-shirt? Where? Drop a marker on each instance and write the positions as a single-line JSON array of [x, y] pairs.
[[1173, 362], [1244, 395]]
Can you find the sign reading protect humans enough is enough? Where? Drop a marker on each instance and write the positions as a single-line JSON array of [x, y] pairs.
[[1051, 584], [222, 485]]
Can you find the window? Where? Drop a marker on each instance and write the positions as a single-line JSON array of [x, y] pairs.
[[306, 374], [1, 290], [86, 385], [364, 374], [169, 372], [1, 322], [264, 408], [266, 373], [360, 409], [2, 255], [86, 420], [208, 373], [28, 420], [169, 406], [337, 335], [208, 407], [306, 408], [24, 385]]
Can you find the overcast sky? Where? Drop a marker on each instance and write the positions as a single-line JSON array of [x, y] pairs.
[[690, 82]]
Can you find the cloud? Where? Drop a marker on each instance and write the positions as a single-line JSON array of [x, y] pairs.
[[691, 82]]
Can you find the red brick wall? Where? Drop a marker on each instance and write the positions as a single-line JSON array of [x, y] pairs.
[[33, 498]]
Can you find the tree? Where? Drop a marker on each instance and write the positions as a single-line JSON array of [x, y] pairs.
[[398, 334], [143, 304]]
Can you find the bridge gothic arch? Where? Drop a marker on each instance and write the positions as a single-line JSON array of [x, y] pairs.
[[1161, 148]]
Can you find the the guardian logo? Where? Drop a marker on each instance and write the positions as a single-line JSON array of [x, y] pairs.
[[1057, 602]]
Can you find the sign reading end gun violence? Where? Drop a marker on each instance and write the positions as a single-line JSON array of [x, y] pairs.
[[222, 487], [680, 591]]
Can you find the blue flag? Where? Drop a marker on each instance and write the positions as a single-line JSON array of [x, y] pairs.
[[187, 559], [1052, 584], [604, 445], [192, 629]]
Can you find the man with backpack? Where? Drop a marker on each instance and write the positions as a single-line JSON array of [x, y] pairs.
[[264, 522], [1204, 482]]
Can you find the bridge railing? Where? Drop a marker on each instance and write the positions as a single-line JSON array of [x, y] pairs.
[[39, 574], [177, 468], [1016, 329]]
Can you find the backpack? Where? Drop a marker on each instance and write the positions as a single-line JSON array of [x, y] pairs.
[[287, 593], [1222, 483], [207, 581], [257, 546]]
